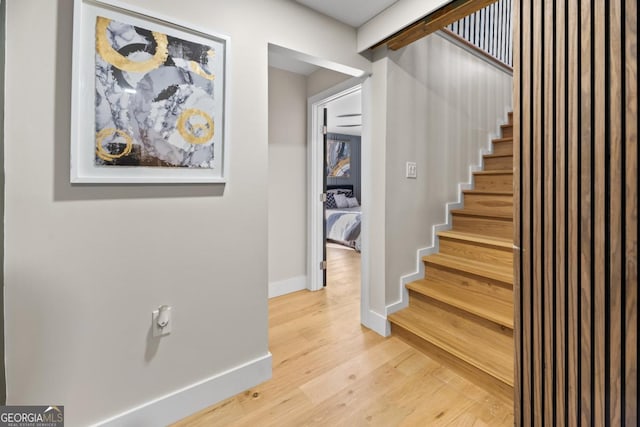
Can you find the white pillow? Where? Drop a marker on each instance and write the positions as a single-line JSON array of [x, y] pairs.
[[341, 201], [352, 202]]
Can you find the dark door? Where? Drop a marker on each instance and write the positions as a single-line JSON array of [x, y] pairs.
[[324, 197]]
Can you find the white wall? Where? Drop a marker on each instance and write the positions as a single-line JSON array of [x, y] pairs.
[[374, 195], [85, 265], [323, 79], [2, 43], [287, 176], [443, 107]]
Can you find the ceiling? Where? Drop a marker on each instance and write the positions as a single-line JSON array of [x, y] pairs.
[[351, 12]]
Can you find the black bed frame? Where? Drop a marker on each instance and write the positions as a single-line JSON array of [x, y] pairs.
[[336, 186]]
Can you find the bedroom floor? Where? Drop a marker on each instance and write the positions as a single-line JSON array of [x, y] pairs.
[[328, 370]]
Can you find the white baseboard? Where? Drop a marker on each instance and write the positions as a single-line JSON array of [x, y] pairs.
[[403, 302], [287, 286], [191, 399], [376, 322]]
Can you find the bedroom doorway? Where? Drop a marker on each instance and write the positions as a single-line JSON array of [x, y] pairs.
[[341, 163], [347, 135]]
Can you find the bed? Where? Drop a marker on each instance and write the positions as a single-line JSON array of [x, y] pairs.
[[343, 216]]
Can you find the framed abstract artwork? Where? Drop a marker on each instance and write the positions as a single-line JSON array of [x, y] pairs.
[[149, 98], [338, 159]]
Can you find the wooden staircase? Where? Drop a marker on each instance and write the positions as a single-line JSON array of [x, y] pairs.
[[461, 313]]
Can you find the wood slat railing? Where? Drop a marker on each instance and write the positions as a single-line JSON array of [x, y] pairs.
[[489, 29]]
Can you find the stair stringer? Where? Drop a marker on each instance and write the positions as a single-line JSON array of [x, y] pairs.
[[403, 302]]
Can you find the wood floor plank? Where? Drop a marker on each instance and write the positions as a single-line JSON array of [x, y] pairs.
[[280, 407], [224, 414], [487, 409], [359, 392], [429, 409], [329, 370], [490, 414], [326, 385], [487, 350]]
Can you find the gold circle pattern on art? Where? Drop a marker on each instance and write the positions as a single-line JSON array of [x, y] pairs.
[[190, 135], [197, 68], [339, 167], [113, 57], [104, 154]]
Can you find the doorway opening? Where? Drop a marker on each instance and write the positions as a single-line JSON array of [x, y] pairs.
[[293, 75], [341, 166], [347, 91]]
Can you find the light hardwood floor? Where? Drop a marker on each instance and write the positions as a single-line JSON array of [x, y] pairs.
[[330, 371]]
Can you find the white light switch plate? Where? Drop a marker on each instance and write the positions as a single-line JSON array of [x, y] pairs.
[[412, 170]]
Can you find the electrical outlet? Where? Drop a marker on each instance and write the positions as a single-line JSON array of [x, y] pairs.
[[412, 170], [161, 321]]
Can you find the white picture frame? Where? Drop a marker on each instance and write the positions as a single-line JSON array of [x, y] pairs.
[[156, 109]]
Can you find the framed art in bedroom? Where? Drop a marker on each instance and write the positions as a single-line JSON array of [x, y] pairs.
[[338, 159], [149, 101]]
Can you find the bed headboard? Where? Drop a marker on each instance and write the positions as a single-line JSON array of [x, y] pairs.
[[336, 186]]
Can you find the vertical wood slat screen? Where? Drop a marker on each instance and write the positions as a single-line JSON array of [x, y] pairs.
[[489, 29], [576, 206]]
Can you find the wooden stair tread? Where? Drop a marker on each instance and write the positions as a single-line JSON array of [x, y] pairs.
[[495, 156], [463, 338], [503, 274], [478, 238], [495, 172], [505, 139], [488, 192], [470, 212], [485, 306]]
